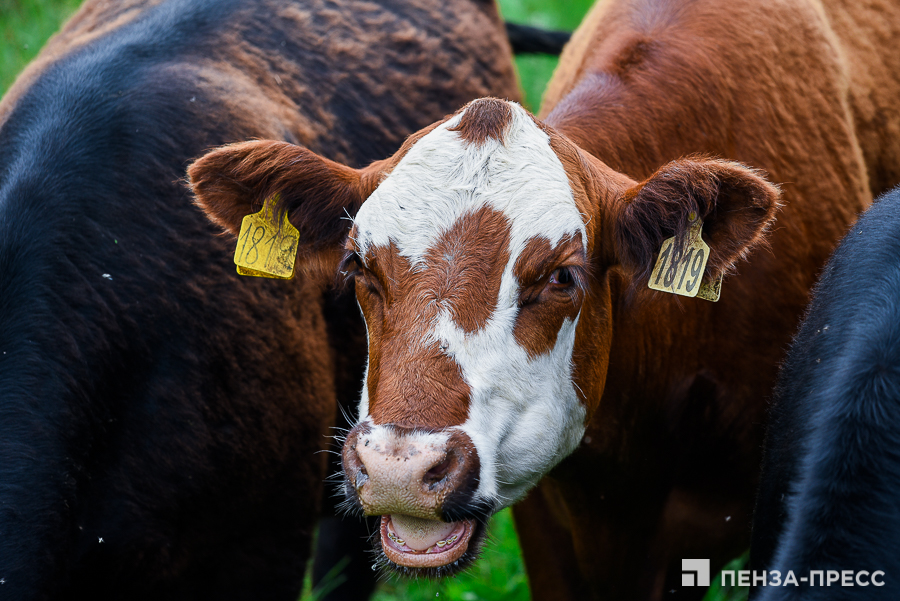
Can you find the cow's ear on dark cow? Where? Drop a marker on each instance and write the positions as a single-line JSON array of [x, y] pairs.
[[735, 203], [318, 194]]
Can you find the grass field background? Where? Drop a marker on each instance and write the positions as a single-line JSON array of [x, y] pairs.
[[499, 576]]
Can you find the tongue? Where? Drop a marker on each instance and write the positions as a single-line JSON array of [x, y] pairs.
[[419, 534]]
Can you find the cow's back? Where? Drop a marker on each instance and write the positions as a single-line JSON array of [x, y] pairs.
[[161, 415], [866, 35], [327, 74]]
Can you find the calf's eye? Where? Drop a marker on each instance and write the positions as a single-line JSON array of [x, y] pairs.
[[351, 264], [561, 277]]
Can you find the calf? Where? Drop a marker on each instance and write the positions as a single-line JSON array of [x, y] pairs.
[[831, 469], [160, 415], [501, 263], [474, 251]]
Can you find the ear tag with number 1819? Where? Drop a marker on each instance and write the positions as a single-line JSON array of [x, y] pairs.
[[684, 274], [265, 248]]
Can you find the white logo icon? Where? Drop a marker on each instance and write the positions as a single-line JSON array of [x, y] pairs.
[[694, 572]]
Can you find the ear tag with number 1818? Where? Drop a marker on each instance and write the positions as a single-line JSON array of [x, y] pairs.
[[265, 248], [684, 274]]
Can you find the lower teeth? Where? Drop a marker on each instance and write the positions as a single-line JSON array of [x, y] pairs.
[[452, 539], [440, 543], [396, 539]]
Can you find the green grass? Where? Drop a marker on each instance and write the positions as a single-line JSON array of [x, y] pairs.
[[535, 71], [718, 592], [24, 27], [499, 575]]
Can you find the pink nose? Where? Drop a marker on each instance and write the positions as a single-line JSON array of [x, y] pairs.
[[399, 470]]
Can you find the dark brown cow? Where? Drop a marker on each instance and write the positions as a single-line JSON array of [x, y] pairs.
[[160, 416], [501, 263]]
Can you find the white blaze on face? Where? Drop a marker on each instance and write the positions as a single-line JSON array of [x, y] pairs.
[[524, 415]]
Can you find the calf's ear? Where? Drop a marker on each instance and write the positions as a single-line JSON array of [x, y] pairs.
[[736, 204], [317, 194]]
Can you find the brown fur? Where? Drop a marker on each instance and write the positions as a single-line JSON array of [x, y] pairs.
[[440, 54], [538, 323], [735, 205], [593, 183], [318, 194], [483, 119], [248, 171], [184, 404], [465, 266], [429, 390], [462, 274], [235, 180], [677, 388]]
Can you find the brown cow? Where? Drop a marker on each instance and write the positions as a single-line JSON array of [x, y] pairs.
[[501, 264]]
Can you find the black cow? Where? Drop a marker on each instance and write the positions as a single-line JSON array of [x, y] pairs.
[[829, 496], [159, 414]]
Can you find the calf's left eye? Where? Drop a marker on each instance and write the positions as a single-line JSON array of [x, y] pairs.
[[561, 277]]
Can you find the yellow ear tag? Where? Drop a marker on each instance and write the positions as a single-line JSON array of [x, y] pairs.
[[264, 248], [711, 289], [683, 274]]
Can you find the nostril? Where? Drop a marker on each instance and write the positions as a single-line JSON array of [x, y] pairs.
[[361, 478], [439, 471]]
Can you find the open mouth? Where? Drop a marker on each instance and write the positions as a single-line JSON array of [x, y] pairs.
[[418, 543]]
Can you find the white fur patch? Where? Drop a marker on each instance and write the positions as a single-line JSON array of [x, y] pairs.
[[442, 178], [524, 414], [364, 395], [384, 436]]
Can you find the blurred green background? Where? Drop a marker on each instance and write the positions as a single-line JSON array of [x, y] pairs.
[[26, 24], [24, 27]]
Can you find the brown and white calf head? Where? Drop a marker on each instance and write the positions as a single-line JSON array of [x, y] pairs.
[[470, 260], [473, 251]]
